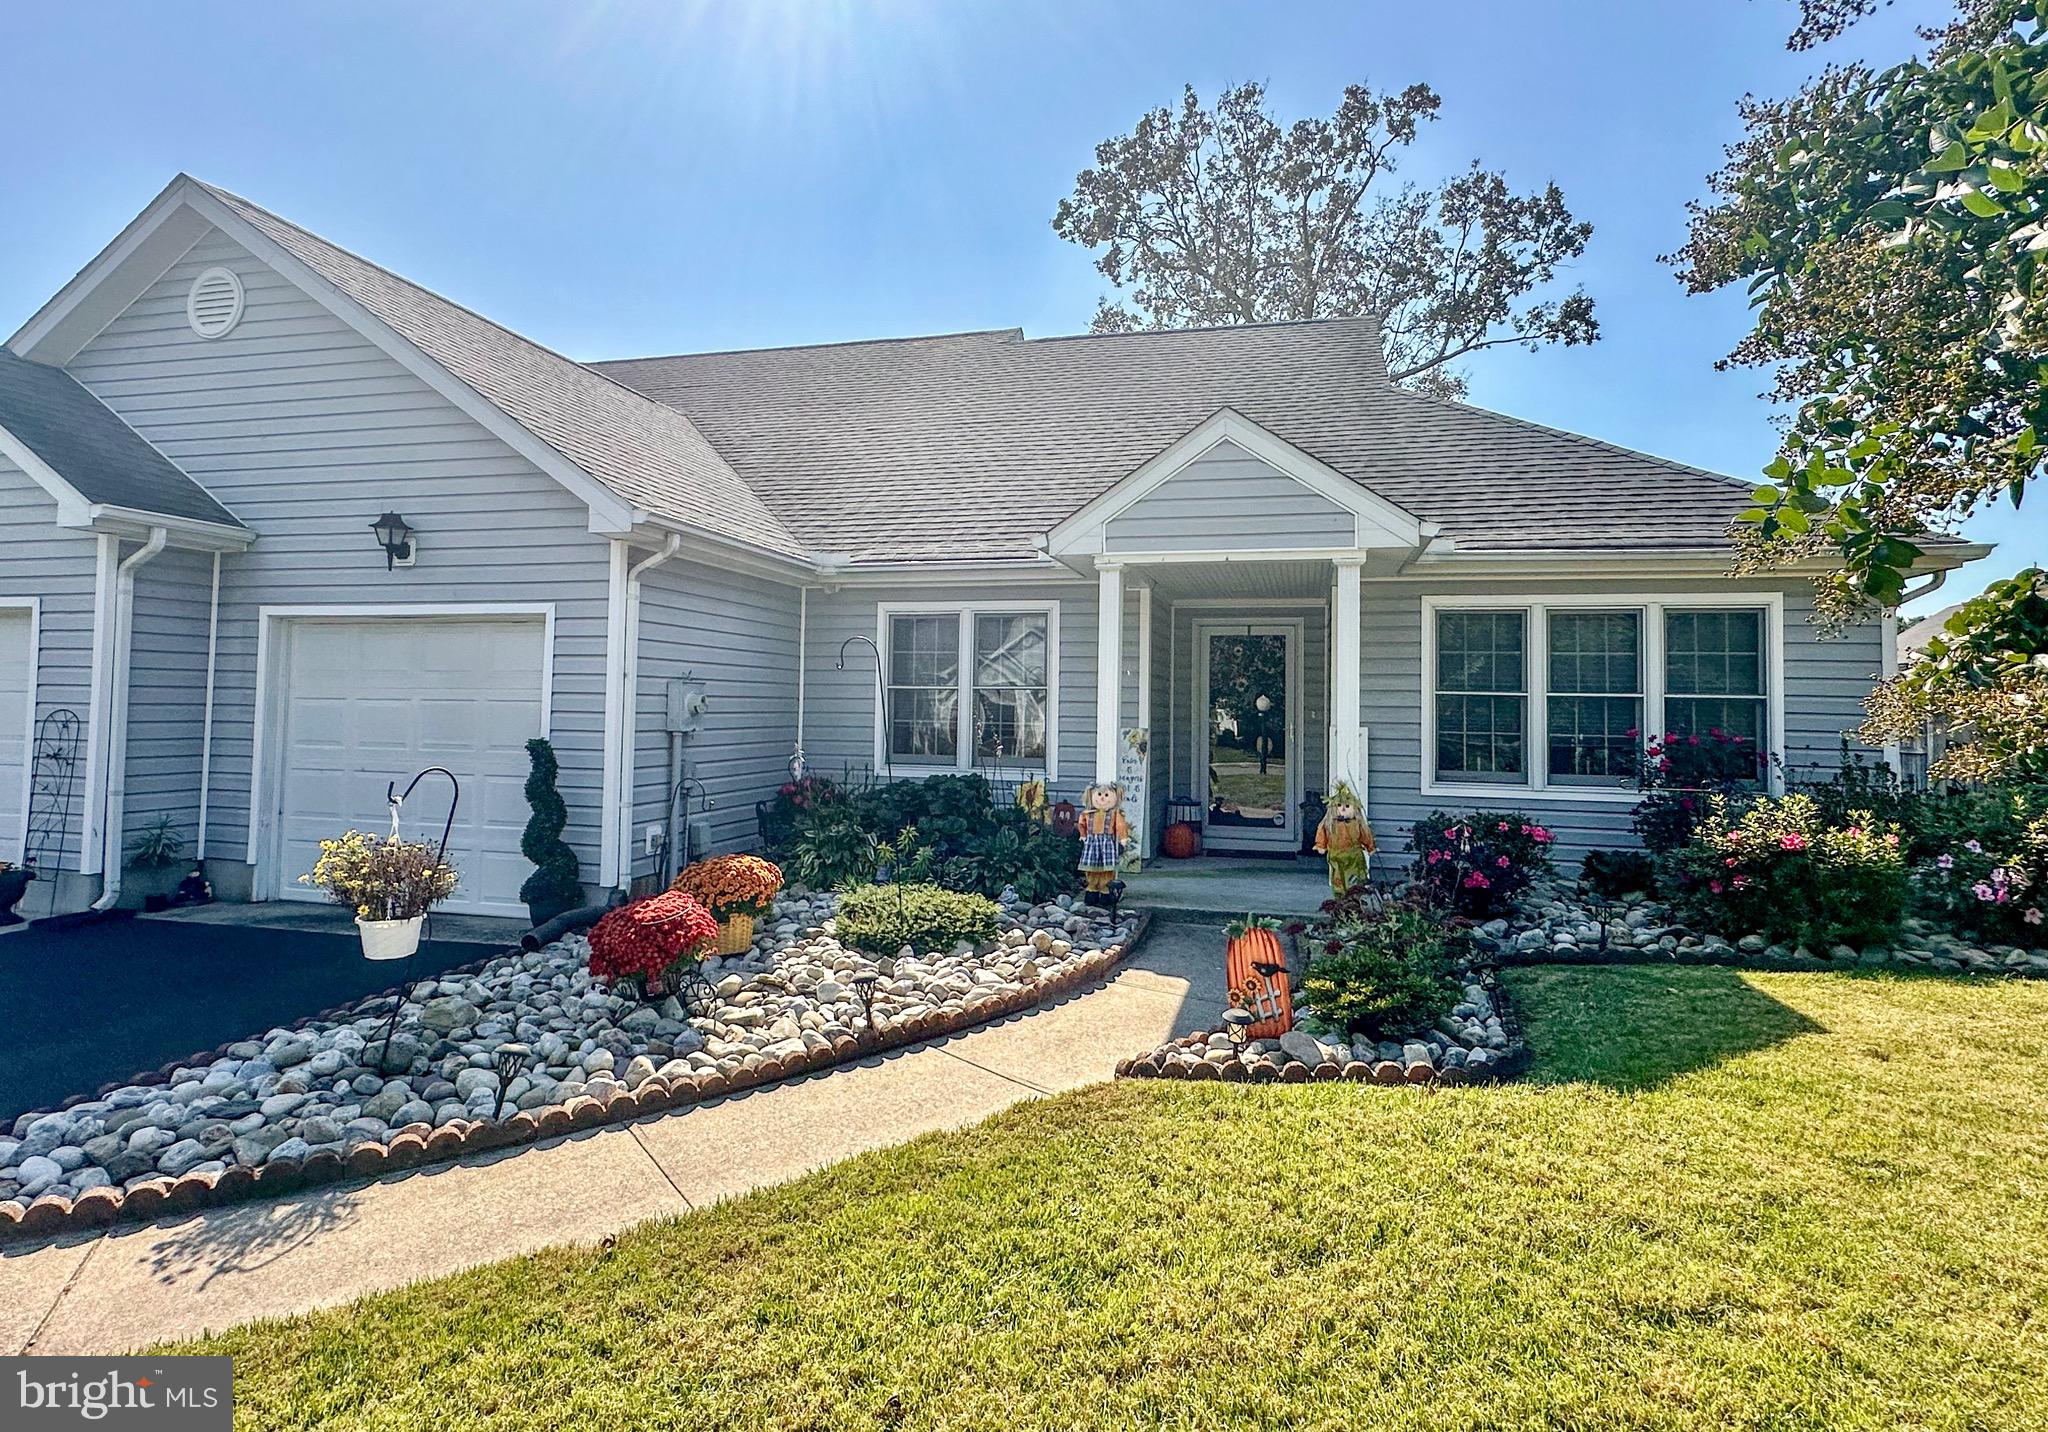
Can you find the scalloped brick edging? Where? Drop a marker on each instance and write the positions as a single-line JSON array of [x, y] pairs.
[[1187, 1058], [415, 1144]]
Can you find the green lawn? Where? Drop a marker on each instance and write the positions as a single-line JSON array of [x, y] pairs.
[[1722, 1200]]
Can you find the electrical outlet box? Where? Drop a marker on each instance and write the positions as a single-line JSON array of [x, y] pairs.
[[687, 699]]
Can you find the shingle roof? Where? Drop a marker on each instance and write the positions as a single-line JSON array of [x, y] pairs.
[[87, 445], [649, 454], [974, 444]]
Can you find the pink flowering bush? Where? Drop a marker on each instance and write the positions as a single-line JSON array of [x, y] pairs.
[[1991, 885], [1679, 775], [1782, 870], [1475, 864]]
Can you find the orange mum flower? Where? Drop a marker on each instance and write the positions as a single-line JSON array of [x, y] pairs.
[[732, 884]]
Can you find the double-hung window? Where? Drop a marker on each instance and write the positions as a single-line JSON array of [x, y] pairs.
[[1714, 674], [1481, 696], [1580, 684], [1594, 715], [969, 686]]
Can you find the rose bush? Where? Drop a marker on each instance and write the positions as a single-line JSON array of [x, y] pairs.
[[1475, 864], [1782, 871], [1678, 774]]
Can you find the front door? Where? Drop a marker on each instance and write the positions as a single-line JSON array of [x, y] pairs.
[[1247, 721]]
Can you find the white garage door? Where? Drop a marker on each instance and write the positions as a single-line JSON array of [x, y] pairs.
[[17, 685], [369, 702]]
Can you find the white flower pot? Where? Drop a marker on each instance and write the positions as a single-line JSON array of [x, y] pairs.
[[390, 939]]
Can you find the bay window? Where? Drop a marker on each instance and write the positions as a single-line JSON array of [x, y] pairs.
[[969, 685], [1580, 682]]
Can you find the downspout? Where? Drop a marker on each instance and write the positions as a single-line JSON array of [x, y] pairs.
[[629, 706], [803, 651], [117, 723], [206, 720]]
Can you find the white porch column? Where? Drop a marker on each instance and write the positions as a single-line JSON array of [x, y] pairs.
[[1346, 750], [1109, 623]]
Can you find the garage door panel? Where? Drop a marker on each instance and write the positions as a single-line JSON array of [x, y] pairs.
[[371, 702]]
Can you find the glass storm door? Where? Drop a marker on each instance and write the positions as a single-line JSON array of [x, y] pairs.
[[1247, 719]]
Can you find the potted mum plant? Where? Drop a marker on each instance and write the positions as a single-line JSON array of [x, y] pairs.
[[391, 883], [737, 890], [649, 940]]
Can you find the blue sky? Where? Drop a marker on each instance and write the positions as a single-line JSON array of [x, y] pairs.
[[619, 179]]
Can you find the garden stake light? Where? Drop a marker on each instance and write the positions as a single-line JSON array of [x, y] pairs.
[[864, 986], [1237, 1023], [511, 1062]]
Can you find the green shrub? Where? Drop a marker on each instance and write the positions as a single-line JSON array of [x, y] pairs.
[[944, 830], [555, 882], [1991, 884], [1385, 976], [830, 848], [882, 919], [1475, 864], [1782, 871], [1612, 874]]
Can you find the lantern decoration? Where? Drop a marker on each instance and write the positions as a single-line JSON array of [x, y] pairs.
[[1255, 969]]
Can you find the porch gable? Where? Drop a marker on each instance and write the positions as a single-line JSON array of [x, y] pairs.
[[1229, 485]]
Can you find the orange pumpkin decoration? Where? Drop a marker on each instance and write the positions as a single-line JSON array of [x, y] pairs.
[[1181, 840], [1256, 969]]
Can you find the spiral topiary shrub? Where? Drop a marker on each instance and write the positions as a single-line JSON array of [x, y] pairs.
[[556, 882]]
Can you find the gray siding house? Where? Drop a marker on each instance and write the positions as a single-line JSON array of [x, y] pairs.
[[1225, 565]]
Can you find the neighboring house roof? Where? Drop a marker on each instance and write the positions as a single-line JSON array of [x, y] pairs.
[[972, 445], [1913, 640], [649, 454], [91, 450]]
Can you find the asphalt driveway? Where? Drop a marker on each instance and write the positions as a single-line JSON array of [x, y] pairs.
[[85, 1005]]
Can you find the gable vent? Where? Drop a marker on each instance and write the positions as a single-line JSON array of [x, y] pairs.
[[215, 303]]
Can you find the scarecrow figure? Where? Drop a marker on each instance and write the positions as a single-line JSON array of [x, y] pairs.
[[1103, 833], [1346, 840]]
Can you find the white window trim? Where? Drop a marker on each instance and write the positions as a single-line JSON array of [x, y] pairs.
[[1536, 781], [964, 759]]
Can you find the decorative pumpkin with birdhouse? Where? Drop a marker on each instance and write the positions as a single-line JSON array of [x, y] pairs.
[[1255, 967]]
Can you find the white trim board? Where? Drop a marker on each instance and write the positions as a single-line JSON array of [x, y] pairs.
[[34, 607], [1378, 522], [265, 777], [1536, 682], [964, 760]]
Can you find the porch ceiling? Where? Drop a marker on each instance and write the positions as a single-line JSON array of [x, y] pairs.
[[1309, 580]]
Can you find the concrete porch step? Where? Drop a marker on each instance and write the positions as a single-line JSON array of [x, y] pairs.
[[1214, 889]]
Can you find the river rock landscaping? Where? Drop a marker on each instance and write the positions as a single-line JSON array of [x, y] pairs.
[[1475, 1041], [525, 1045], [1561, 921]]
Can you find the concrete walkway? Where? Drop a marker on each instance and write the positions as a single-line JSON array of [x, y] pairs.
[[137, 1285]]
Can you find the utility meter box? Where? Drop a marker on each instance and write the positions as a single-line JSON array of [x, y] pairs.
[[686, 702]]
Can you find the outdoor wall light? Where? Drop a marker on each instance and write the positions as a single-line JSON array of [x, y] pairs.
[[394, 535]]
